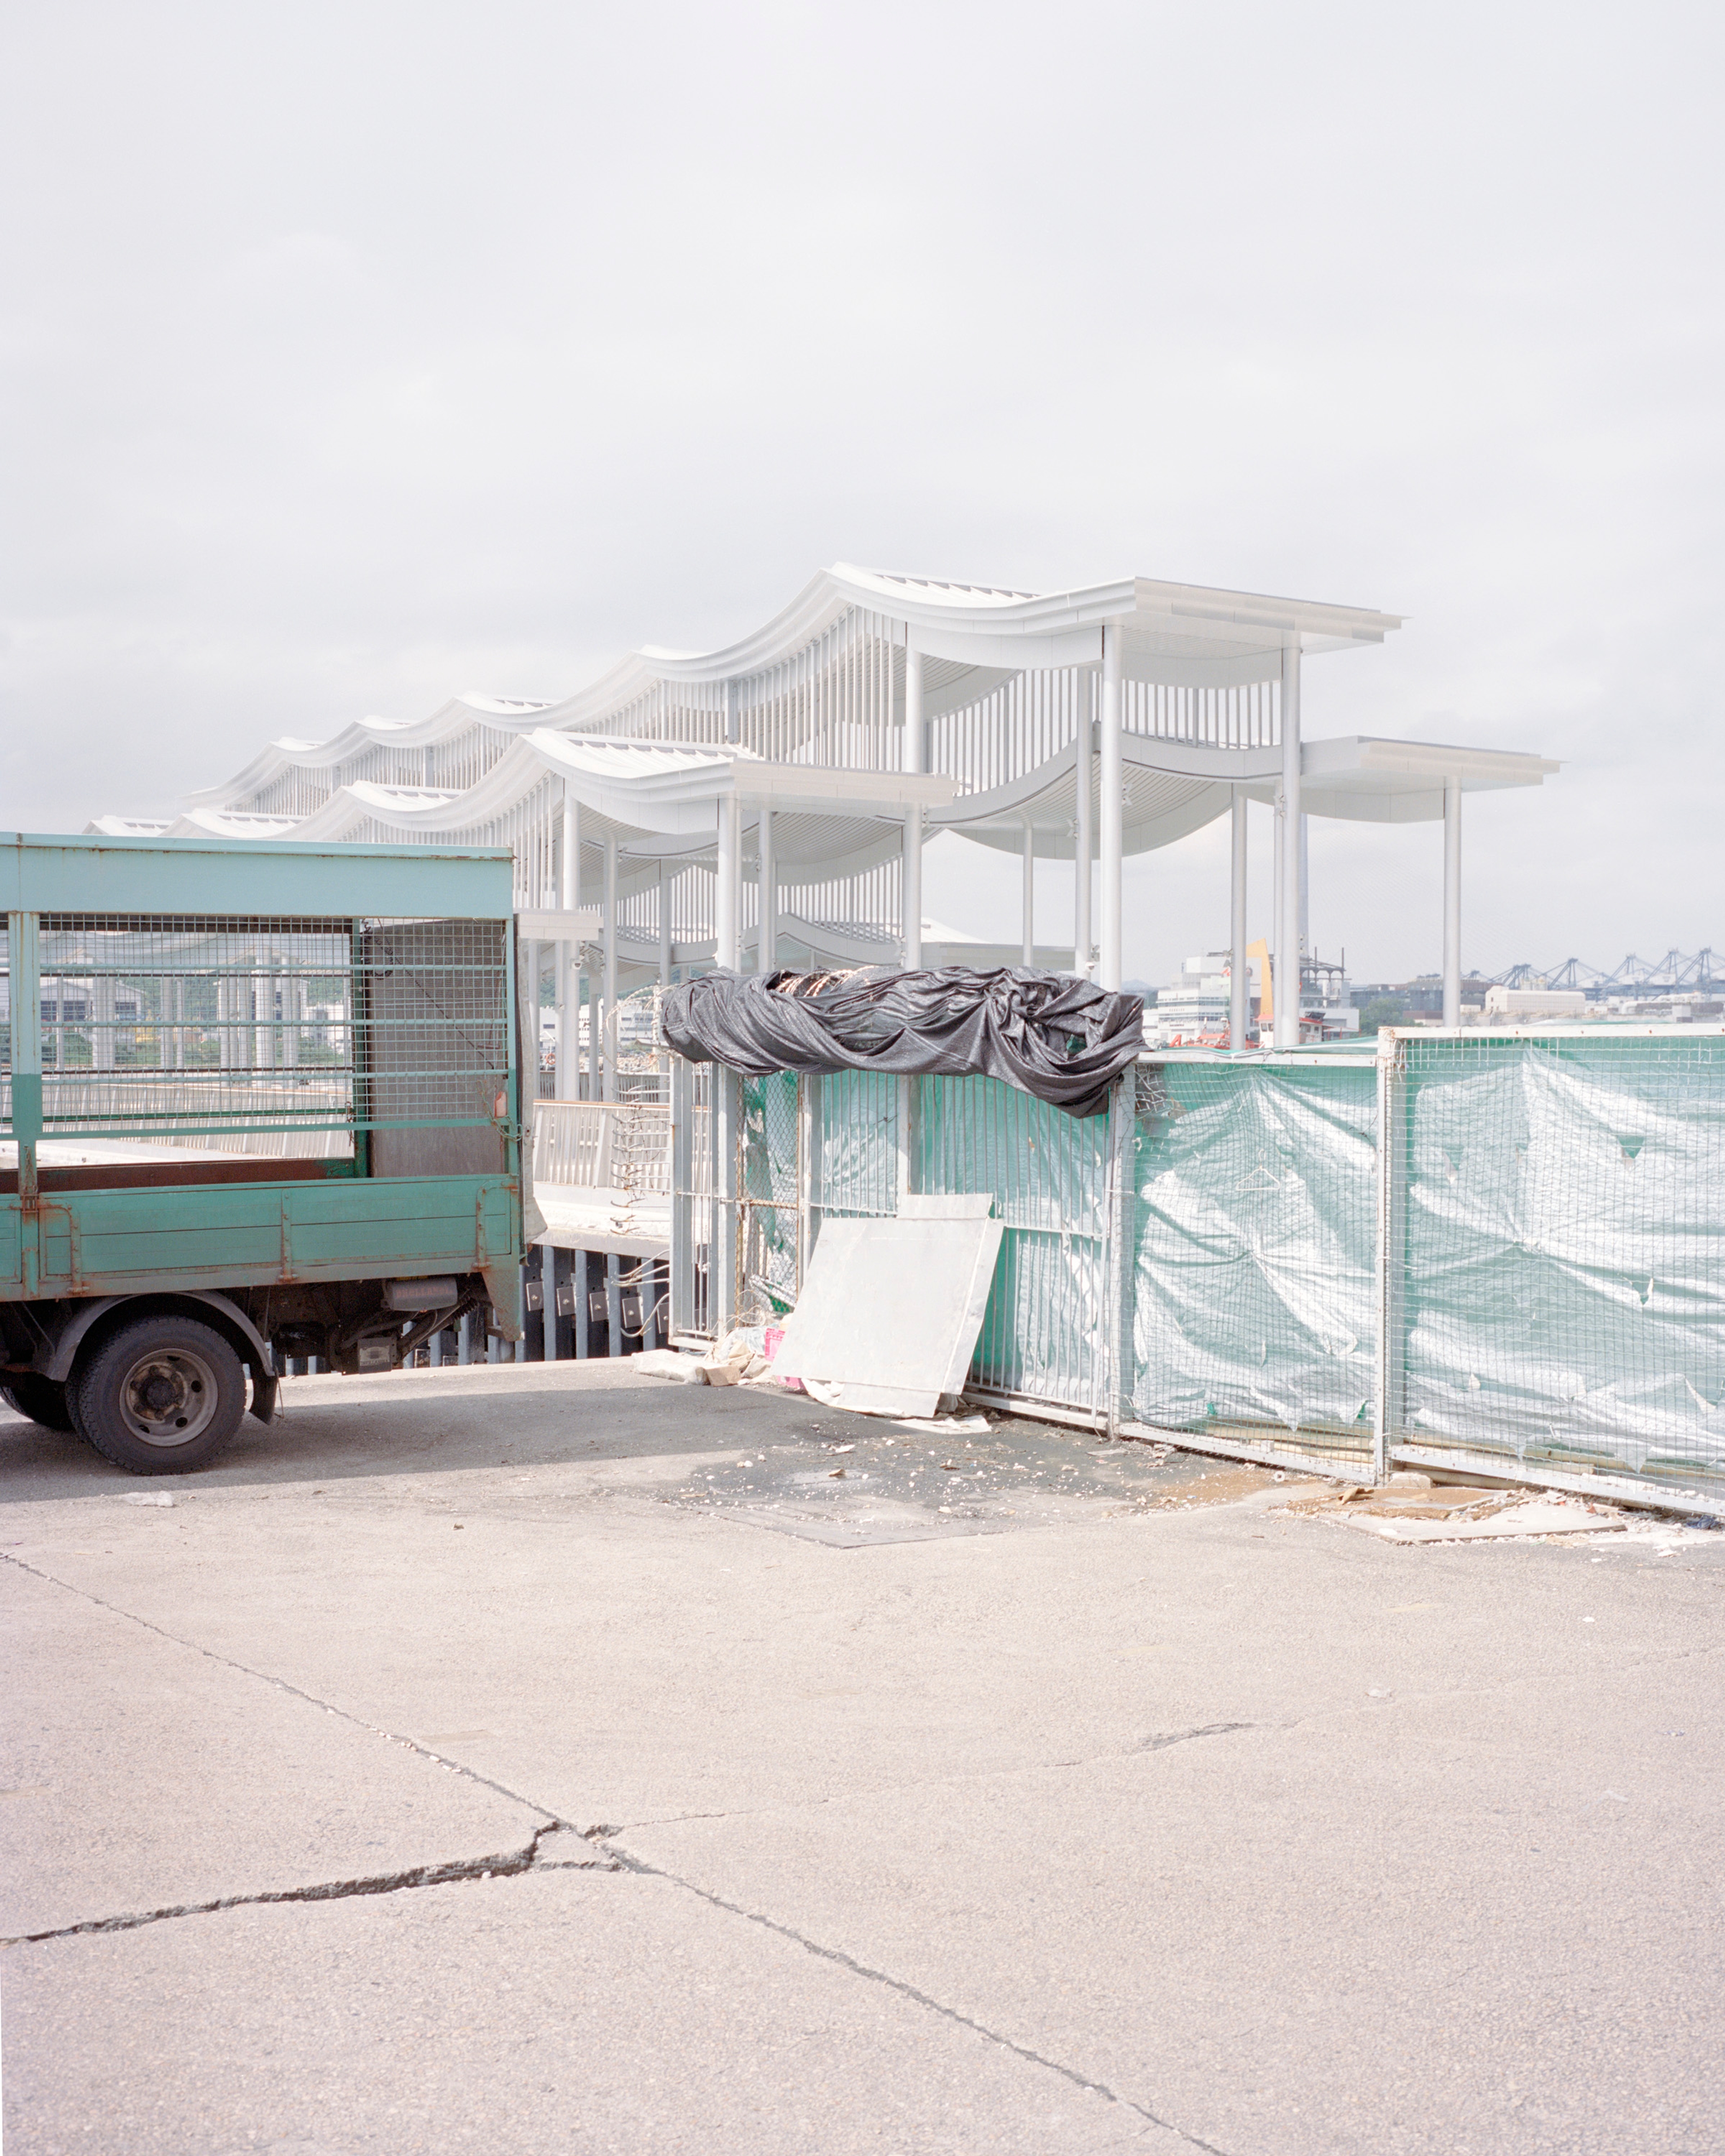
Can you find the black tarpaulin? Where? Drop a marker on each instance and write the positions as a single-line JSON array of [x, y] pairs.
[[1062, 1039]]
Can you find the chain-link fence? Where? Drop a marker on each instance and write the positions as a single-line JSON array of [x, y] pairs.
[[1559, 1265], [1253, 1307], [1048, 1331], [1525, 1276]]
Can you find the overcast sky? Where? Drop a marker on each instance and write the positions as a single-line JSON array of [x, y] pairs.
[[357, 355]]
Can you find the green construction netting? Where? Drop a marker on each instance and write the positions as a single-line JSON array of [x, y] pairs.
[[1256, 1193], [1563, 1286], [1044, 1332]]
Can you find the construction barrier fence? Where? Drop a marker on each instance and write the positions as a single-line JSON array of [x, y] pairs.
[[1502, 1253]]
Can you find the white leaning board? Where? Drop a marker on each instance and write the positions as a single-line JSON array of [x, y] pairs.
[[891, 1310]]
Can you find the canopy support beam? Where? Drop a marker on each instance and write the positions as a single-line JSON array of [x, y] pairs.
[[610, 1023], [726, 953], [1084, 842], [1239, 980], [1287, 986], [1030, 897], [1113, 817], [913, 759], [767, 943], [1452, 903]]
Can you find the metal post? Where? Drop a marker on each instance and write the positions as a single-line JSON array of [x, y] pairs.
[[913, 758], [1287, 994], [611, 1040], [1452, 903], [727, 1126], [682, 1204], [809, 1108], [1083, 843], [1118, 1271], [1240, 976], [23, 950], [614, 1302], [1113, 808], [578, 1285], [726, 954], [548, 1298], [766, 937], [1030, 895], [1386, 1376], [1305, 887]]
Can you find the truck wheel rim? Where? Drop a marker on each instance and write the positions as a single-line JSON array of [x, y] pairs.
[[168, 1397]]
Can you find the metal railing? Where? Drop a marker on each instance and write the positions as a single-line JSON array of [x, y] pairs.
[[602, 1145]]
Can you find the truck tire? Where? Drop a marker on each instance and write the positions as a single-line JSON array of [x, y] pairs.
[[159, 1396], [43, 1400]]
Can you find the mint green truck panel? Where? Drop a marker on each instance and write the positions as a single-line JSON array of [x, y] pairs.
[[255, 1234]]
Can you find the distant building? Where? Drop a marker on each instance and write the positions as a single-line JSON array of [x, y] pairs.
[[1192, 1012]]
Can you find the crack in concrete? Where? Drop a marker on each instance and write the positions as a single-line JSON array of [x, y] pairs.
[[293, 1690], [640, 1866], [511, 1864], [1187, 1736], [529, 1858]]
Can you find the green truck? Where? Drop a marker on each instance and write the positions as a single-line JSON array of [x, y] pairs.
[[259, 1101]]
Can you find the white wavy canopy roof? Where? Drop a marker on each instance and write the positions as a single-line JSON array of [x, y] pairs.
[[643, 750]]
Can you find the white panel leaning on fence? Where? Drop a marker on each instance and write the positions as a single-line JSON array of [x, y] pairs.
[[1501, 1254]]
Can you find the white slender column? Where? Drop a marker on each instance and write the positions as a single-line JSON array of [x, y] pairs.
[[587, 1083], [767, 936], [541, 954], [1240, 979], [664, 927], [567, 958], [1452, 903], [1029, 897], [1113, 809], [1278, 946], [1305, 885], [1083, 841], [1287, 993], [726, 909], [913, 757], [611, 1043]]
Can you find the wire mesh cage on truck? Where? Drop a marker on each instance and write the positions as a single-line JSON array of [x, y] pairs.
[[259, 1101]]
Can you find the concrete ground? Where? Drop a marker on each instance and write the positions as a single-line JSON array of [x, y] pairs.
[[556, 1759]]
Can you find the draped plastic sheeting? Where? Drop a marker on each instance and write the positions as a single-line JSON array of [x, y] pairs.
[[1564, 1282], [1060, 1038], [1254, 1256]]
